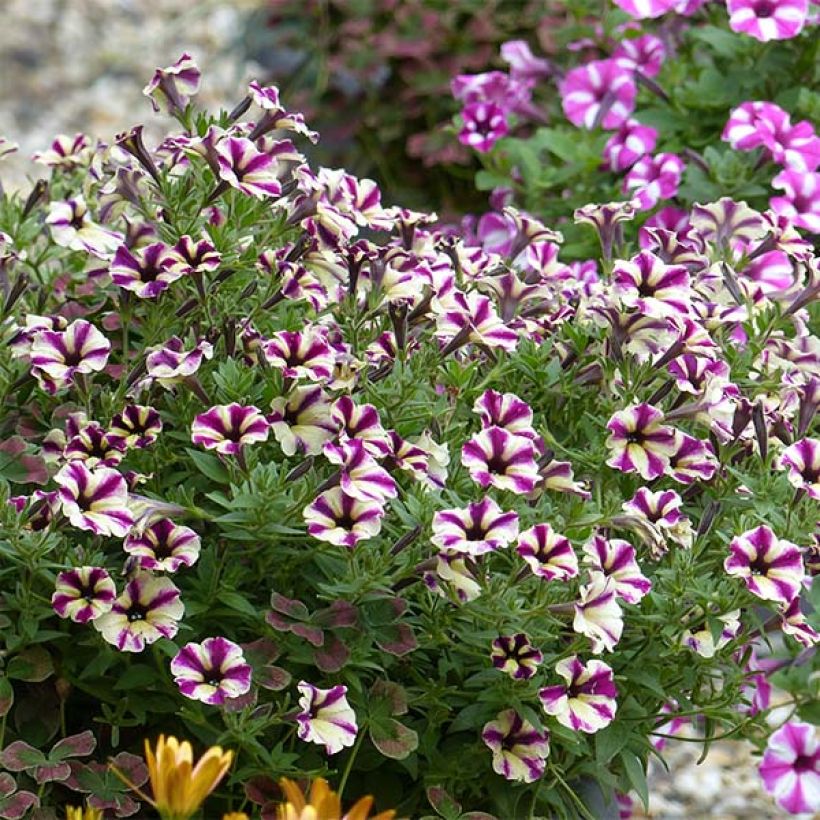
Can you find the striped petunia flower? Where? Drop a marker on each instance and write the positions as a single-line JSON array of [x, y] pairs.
[[361, 422], [83, 594], [243, 167], [587, 702], [171, 88], [515, 655], [136, 426], [661, 508], [650, 286], [628, 144], [642, 9], [505, 410], [471, 317], [452, 578], [340, 519], [802, 460], [212, 671], [800, 202], [790, 768], [771, 568], [302, 421], [58, 356], [653, 178], [483, 124], [149, 608], [478, 528], [793, 622], [163, 546], [702, 640], [227, 428], [600, 93], [147, 271], [65, 152], [639, 442], [361, 476], [727, 221], [495, 457], [598, 615], [95, 500], [199, 255], [170, 363], [549, 554], [615, 558], [645, 54], [768, 19], [71, 227], [519, 749], [94, 446], [301, 354], [326, 717], [693, 459]]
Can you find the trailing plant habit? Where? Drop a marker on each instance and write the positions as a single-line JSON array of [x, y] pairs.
[[310, 480]]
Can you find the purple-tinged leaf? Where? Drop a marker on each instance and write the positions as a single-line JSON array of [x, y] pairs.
[[7, 784], [392, 693], [274, 678], [333, 656], [261, 651], [20, 757], [51, 771], [74, 746], [338, 615], [239, 703], [393, 739], [6, 696], [396, 639], [17, 805], [312, 634], [31, 665], [443, 803], [290, 607]]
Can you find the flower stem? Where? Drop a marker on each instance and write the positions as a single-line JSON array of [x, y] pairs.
[[349, 765]]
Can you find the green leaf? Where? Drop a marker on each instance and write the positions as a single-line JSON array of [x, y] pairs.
[[636, 775], [209, 465], [609, 741]]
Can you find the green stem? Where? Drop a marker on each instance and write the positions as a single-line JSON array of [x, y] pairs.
[[349, 765]]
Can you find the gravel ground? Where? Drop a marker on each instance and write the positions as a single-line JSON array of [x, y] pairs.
[[80, 65]]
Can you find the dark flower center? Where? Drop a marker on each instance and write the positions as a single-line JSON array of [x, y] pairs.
[[496, 465], [635, 437], [804, 763], [137, 612], [475, 533], [345, 521], [759, 566], [764, 8], [72, 358], [162, 549]]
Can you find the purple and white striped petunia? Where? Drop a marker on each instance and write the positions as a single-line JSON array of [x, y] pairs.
[[598, 615], [478, 528], [148, 609], [300, 354], [661, 507], [172, 88], [65, 152], [471, 317], [495, 457], [171, 363], [302, 420], [639, 442], [227, 428], [790, 768], [94, 446], [653, 178], [72, 227], [793, 622], [519, 749], [57, 356], [645, 54], [693, 459], [650, 286], [559, 477], [326, 717], [642, 9], [768, 19], [452, 578], [136, 426], [587, 701], [361, 476], [515, 655], [505, 410], [801, 200], [362, 422], [340, 519], [95, 500], [83, 594], [245, 168], [163, 546], [147, 271], [549, 554], [628, 144], [483, 124], [615, 558], [212, 671], [771, 568], [727, 221], [701, 639], [802, 460], [199, 255], [600, 93]]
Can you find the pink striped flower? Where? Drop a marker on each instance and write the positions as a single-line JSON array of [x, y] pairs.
[[83, 594], [199, 255], [802, 460], [361, 476], [662, 508], [645, 54], [341, 519], [163, 546], [615, 559], [628, 144], [57, 357], [650, 286], [361, 422], [519, 749], [801, 200], [793, 622], [505, 410], [699, 375], [300, 354], [500, 459], [559, 477], [94, 446], [227, 428], [136, 426], [471, 317], [653, 178], [550, 555], [147, 271], [483, 125], [326, 717], [65, 152], [212, 671], [170, 363], [771, 568], [702, 640], [790, 768], [453, 579], [148, 609], [600, 93], [639, 442], [171, 88], [246, 169], [302, 420], [598, 615], [768, 19], [642, 9], [515, 655], [726, 222], [587, 702], [72, 227], [94, 500], [478, 528], [692, 460]]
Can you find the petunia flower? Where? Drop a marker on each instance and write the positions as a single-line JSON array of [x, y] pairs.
[[559, 477], [639, 442], [136, 426], [703, 641], [598, 615], [171, 88], [793, 622], [95, 500], [360, 475], [71, 227], [768, 19], [693, 459], [147, 271], [170, 363], [227, 428], [326, 717], [615, 559], [519, 749], [606, 219], [83, 594], [662, 509], [602, 92], [362, 422], [471, 317], [341, 519], [483, 124], [801, 200], [727, 221], [302, 421], [452, 578], [515, 655], [505, 410], [587, 701], [243, 167], [212, 671], [802, 460], [650, 286], [642, 9], [94, 446], [653, 178], [790, 768], [149, 608], [628, 144], [479, 528], [300, 354], [495, 457], [645, 54], [58, 356], [550, 555], [65, 152], [771, 568], [163, 546]]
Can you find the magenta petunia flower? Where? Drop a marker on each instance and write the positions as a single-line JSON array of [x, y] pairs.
[[274, 116], [361, 422], [650, 286], [136, 426], [628, 144], [478, 528], [768, 19], [662, 509], [793, 622], [199, 255], [58, 356], [148, 271], [587, 701], [171, 88], [639, 442], [522, 62], [771, 568], [65, 152], [653, 178], [702, 640], [602, 92], [303, 420], [550, 555], [645, 54], [83, 594], [341, 519], [163, 546], [94, 446], [615, 559], [692, 460], [598, 615], [801, 200], [326, 717], [304, 354], [212, 671], [500, 459], [519, 749], [726, 221], [95, 500], [148, 609], [505, 410], [360, 475], [72, 227], [790, 768], [483, 125], [227, 428], [802, 460], [642, 9], [559, 477], [471, 317], [171, 363], [515, 655]]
